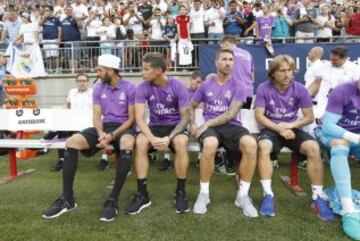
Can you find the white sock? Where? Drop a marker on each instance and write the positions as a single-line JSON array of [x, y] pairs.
[[204, 187], [266, 185], [243, 188], [347, 205], [167, 156], [104, 156], [317, 191]]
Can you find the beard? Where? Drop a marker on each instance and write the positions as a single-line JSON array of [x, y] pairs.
[[106, 79]]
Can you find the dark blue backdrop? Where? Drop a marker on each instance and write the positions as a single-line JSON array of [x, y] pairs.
[[261, 57]]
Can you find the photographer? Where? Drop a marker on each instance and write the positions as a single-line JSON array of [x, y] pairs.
[[303, 21], [157, 24], [281, 27]]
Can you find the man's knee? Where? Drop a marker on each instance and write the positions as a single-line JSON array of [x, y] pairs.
[[265, 147], [76, 141], [127, 142], [310, 148], [142, 142], [248, 145], [180, 142], [210, 145]]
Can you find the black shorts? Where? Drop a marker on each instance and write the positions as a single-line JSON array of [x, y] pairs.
[[228, 136], [92, 136], [279, 142], [165, 130]]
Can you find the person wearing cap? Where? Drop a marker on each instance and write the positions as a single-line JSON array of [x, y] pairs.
[[168, 101], [113, 118]]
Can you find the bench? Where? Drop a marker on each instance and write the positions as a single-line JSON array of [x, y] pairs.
[[76, 120]]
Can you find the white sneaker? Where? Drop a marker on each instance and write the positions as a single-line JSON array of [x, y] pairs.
[[202, 201], [246, 205]]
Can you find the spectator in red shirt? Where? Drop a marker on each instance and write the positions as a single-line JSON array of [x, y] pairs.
[[183, 24], [353, 28]]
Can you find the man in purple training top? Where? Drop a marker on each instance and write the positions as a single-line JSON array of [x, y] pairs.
[[243, 70], [276, 110], [168, 102], [340, 134], [222, 98], [113, 118]]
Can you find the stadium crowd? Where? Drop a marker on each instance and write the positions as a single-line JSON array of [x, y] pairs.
[[101, 26]]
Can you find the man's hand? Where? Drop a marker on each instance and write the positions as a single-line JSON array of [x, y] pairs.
[[103, 140], [287, 134], [164, 144], [193, 130], [284, 126]]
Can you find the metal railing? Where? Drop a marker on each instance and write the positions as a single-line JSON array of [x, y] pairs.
[[73, 57]]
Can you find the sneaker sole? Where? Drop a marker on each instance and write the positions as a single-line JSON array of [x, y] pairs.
[[102, 219], [205, 211], [140, 209], [267, 215], [60, 213], [184, 211]]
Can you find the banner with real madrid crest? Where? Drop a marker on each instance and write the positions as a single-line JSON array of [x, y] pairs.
[[25, 61]]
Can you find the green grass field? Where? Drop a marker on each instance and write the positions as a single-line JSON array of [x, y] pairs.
[[22, 203]]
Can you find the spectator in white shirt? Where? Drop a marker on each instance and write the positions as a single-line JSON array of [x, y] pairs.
[[93, 23], [197, 28], [106, 33], [59, 10], [134, 20], [28, 33], [213, 19], [325, 23], [80, 10]]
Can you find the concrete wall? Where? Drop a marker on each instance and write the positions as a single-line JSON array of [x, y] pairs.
[[53, 90]]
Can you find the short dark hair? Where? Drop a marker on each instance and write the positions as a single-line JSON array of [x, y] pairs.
[[228, 39], [82, 74], [220, 51], [340, 51], [156, 60], [232, 2], [196, 74]]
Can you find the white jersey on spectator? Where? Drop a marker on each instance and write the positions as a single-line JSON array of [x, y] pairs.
[[213, 15], [325, 32], [184, 49], [162, 6], [156, 31], [197, 21], [134, 23], [93, 26], [106, 33], [80, 11], [80, 100], [29, 31]]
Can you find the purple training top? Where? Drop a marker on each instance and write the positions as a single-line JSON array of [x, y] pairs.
[[163, 102], [243, 70], [265, 24], [217, 98], [282, 107], [344, 100], [115, 101]]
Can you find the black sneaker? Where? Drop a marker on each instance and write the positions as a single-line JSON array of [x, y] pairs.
[[58, 166], [109, 211], [139, 202], [230, 170], [104, 164], [59, 207], [165, 165], [181, 202]]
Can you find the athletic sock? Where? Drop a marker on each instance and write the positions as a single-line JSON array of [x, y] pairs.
[[317, 191], [71, 157], [180, 186], [340, 170], [123, 167], [104, 157], [142, 186], [266, 185], [243, 188], [204, 187]]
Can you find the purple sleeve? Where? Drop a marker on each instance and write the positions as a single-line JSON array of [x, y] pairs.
[[260, 100], [305, 98], [96, 94], [336, 102], [131, 94], [183, 95], [240, 94], [140, 97], [198, 95]]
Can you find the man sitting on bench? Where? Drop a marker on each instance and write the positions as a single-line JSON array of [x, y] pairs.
[[114, 100], [340, 134], [276, 106], [222, 98]]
